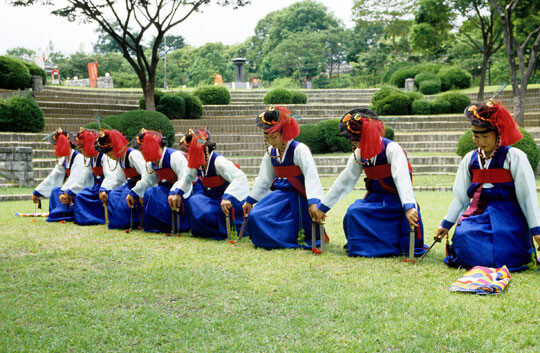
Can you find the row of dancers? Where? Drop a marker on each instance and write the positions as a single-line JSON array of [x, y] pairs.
[[101, 178]]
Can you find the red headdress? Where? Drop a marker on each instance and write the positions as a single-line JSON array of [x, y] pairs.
[[362, 125], [85, 139], [150, 144], [112, 141], [278, 119], [61, 140], [496, 116]]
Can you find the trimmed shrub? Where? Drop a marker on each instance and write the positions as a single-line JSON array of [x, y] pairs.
[[114, 121], [285, 82], [213, 95], [95, 126], [278, 96], [14, 74], [389, 132], [157, 98], [454, 77], [526, 144], [421, 107], [331, 139], [394, 104], [133, 121], [393, 68], [308, 136], [430, 87], [425, 76], [194, 106], [440, 106], [298, 97], [384, 92], [21, 114], [414, 95], [173, 106], [36, 71], [458, 101], [398, 78], [428, 68]]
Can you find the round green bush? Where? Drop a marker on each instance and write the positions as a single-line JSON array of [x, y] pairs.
[[278, 96], [5, 116], [213, 95], [95, 126], [157, 98], [440, 106], [414, 95], [389, 132], [398, 78], [308, 136], [382, 93], [114, 121], [298, 97], [23, 115], [173, 106], [14, 74], [421, 107], [458, 101], [330, 137], [194, 106], [394, 104], [36, 71], [393, 68], [430, 87], [425, 76], [526, 144], [133, 121], [428, 67], [454, 77]]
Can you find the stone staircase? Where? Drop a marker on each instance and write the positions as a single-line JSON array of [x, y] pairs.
[[233, 129]]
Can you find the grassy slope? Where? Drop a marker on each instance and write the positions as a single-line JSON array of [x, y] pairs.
[[70, 288]]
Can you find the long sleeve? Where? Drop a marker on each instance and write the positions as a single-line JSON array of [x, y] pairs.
[[112, 178], [344, 183], [239, 187], [304, 159], [136, 159], [461, 200], [263, 180], [179, 166], [400, 174], [184, 186], [525, 185], [53, 180], [80, 176]]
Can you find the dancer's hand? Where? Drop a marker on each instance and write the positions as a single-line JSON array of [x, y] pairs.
[[316, 214], [131, 201], [441, 232], [226, 205], [66, 199], [103, 196], [175, 201], [537, 238], [35, 198], [247, 208], [412, 217]]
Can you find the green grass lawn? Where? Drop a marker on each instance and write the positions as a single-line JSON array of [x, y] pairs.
[[70, 288]]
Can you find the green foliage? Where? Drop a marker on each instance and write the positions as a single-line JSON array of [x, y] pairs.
[[389, 132], [432, 68], [308, 136], [421, 107], [14, 74], [298, 97], [36, 71], [454, 77], [414, 95], [133, 121], [393, 68], [21, 114], [526, 144], [330, 138], [430, 86], [394, 104], [425, 76], [278, 96], [114, 121], [398, 78], [285, 82], [194, 106], [157, 98], [384, 92], [173, 106], [458, 101], [440, 106], [213, 95], [95, 126]]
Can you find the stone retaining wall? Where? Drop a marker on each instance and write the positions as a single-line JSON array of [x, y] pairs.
[[16, 165]]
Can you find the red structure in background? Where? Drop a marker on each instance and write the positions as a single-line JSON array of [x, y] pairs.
[[93, 74]]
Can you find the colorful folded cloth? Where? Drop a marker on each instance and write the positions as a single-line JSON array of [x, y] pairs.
[[482, 280]]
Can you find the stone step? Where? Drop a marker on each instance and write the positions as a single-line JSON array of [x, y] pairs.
[[102, 104], [79, 113]]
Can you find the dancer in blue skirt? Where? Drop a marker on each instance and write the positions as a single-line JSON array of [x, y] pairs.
[[495, 203], [169, 165], [89, 209], [379, 224], [70, 171], [125, 202], [225, 188], [284, 199]]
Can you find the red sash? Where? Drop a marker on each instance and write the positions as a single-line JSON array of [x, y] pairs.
[[213, 182], [68, 172], [492, 176], [98, 171], [130, 173], [378, 171], [168, 174], [290, 172]]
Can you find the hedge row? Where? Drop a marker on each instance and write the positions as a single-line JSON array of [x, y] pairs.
[[430, 78], [284, 96], [21, 114], [213, 95], [176, 105]]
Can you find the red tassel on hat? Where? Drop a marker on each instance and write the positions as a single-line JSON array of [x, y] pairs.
[[151, 148], [88, 139], [370, 138], [195, 154], [287, 125], [118, 143], [63, 147], [506, 125]]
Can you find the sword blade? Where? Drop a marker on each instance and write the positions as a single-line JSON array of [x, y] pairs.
[[228, 226], [242, 230]]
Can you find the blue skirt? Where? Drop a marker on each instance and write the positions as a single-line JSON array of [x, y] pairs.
[[376, 226], [57, 210], [88, 208], [120, 214], [157, 212], [274, 221], [207, 218], [497, 237]]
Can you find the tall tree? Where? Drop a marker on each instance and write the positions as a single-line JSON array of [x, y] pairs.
[[526, 28], [432, 24], [130, 24], [22, 53]]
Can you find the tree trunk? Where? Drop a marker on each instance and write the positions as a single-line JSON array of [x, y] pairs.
[[519, 108], [480, 97], [148, 90]]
